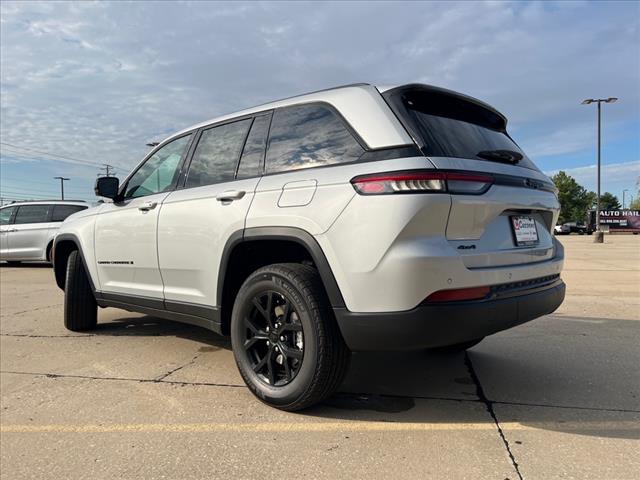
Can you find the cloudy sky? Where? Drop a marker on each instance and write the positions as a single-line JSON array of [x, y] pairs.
[[94, 82]]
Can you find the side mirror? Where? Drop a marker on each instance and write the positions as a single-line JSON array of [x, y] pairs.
[[107, 187]]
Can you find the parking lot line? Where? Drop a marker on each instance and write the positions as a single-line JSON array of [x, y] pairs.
[[308, 427]]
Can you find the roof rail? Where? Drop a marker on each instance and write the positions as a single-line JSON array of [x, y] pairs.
[[46, 200]]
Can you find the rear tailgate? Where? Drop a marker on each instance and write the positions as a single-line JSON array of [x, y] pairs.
[[481, 226], [511, 223]]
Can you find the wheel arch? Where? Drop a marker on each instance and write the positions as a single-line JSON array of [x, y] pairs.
[[63, 245], [248, 250], [47, 251]]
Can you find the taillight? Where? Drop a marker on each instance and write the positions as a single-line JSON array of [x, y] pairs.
[[459, 294], [422, 181]]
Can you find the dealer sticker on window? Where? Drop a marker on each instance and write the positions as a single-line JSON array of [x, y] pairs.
[[524, 231]]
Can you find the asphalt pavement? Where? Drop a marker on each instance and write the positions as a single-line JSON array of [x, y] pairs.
[[142, 397]]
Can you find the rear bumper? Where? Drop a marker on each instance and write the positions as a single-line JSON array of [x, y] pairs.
[[445, 324]]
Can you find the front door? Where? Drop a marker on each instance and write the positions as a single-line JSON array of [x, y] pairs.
[[125, 232]]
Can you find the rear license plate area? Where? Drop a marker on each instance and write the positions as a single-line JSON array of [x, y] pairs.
[[525, 232]]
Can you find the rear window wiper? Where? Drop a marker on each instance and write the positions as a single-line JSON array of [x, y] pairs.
[[507, 156]]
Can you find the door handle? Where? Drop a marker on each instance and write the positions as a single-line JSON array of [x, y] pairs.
[[146, 206], [230, 195]]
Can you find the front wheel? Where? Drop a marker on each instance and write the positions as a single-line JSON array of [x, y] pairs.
[[285, 340], [80, 308]]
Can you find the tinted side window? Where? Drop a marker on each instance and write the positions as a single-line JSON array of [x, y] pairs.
[[32, 214], [5, 215], [217, 154], [160, 172], [306, 136], [253, 153], [60, 212]]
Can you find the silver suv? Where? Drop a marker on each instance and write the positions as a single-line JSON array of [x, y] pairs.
[[27, 228], [355, 218]]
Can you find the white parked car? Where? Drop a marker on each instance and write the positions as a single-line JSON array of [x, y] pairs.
[[355, 218], [27, 228]]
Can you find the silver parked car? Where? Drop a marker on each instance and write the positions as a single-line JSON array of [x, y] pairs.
[[355, 218], [27, 228]]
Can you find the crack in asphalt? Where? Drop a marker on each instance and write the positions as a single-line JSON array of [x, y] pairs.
[[567, 407], [32, 310], [170, 372], [161, 379], [124, 379], [489, 406], [29, 335]]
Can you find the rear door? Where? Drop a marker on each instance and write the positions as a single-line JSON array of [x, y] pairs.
[[27, 239], [509, 223], [197, 220], [126, 232], [294, 193]]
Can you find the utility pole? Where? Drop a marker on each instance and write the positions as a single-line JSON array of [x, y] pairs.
[[62, 180], [599, 236], [107, 168]]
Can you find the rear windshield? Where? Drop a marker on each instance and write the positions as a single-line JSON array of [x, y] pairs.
[[448, 126]]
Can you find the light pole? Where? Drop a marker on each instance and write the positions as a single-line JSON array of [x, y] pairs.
[[599, 236], [62, 180]]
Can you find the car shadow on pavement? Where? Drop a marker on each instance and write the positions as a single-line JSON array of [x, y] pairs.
[[421, 387], [25, 265], [533, 379], [148, 326]]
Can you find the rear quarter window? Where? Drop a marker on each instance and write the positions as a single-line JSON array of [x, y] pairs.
[[61, 212], [305, 136]]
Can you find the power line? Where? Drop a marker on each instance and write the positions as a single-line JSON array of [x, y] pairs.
[[43, 195], [31, 185], [42, 152], [29, 149], [21, 189], [12, 179]]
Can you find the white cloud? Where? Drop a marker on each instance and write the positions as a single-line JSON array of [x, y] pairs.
[[97, 80]]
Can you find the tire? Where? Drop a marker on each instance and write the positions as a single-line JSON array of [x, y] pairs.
[[80, 308], [458, 347], [301, 323]]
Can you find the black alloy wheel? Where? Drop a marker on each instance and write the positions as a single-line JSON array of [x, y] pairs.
[[273, 338], [285, 338]]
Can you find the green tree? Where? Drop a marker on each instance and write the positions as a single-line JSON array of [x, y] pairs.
[[635, 205], [609, 201], [574, 199], [590, 199]]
